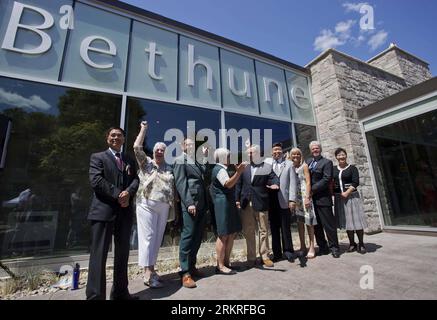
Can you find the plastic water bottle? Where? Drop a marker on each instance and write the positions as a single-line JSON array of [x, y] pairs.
[[76, 274]]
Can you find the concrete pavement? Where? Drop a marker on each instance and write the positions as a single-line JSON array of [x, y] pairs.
[[403, 267]]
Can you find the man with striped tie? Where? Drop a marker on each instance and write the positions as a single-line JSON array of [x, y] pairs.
[[321, 176], [114, 180]]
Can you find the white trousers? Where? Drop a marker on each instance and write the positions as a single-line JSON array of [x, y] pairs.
[[151, 221]]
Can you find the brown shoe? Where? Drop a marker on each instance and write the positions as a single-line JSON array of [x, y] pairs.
[[268, 263], [188, 282]]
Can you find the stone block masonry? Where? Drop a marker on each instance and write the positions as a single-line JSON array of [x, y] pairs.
[[341, 85]]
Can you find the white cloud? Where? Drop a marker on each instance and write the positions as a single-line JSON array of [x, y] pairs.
[[345, 32], [349, 6], [331, 39], [327, 39], [15, 100], [377, 40], [343, 28], [357, 41]]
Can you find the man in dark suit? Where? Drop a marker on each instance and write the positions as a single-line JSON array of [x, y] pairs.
[[190, 184], [252, 197], [113, 177], [321, 170]]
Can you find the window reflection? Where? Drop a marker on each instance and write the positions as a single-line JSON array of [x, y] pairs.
[[281, 131], [45, 192], [304, 135], [404, 158], [162, 116]]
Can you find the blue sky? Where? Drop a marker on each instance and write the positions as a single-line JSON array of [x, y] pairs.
[[298, 31]]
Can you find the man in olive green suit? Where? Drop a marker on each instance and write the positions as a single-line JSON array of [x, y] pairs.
[[190, 184]]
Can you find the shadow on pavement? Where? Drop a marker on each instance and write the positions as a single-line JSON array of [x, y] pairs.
[[370, 248], [172, 283]]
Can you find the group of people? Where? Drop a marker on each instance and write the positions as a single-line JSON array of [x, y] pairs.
[[257, 197]]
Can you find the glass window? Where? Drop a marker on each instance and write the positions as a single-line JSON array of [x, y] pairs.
[[45, 64], [199, 86], [238, 82], [300, 101], [105, 31], [404, 159], [162, 117], [45, 192], [280, 131], [155, 80], [304, 135], [273, 97]]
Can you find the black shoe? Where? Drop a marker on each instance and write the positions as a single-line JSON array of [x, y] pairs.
[[335, 253], [323, 251], [276, 259], [290, 256], [352, 248], [361, 248], [126, 297]]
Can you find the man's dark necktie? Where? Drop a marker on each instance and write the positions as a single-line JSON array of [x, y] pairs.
[[119, 161], [312, 165], [200, 167], [277, 168]]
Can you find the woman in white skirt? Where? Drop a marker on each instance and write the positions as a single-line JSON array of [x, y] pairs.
[[304, 208], [348, 205], [154, 202]]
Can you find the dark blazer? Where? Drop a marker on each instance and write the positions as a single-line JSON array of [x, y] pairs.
[[321, 178], [190, 183], [256, 190], [108, 181], [349, 177]]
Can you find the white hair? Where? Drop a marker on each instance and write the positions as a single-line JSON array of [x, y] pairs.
[[315, 143], [159, 145], [221, 155]]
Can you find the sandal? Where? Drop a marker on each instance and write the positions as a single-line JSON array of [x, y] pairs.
[[220, 271], [311, 255]]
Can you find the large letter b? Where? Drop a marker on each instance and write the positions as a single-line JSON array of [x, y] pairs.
[[14, 24]]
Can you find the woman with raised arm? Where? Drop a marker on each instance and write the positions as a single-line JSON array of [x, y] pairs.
[[155, 198]]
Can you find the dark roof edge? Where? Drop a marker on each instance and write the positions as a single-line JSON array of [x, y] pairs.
[[164, 20], [403, 96]]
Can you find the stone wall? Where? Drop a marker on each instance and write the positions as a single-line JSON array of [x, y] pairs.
[[340, 86], [388, 62], [403, 64], [414, 71]]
